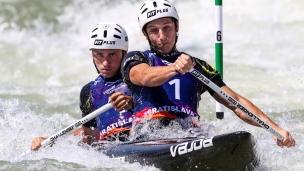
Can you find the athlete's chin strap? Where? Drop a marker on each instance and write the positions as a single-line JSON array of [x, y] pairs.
[[96, 67]]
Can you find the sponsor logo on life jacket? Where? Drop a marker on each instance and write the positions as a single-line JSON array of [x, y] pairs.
[[110, 90], [166, 62], [178, 109], [188, 147], [102, 42], [120, 123], [154, 12]]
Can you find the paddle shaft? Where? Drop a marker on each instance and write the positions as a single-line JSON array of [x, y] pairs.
[[230, 99], [75, 125]]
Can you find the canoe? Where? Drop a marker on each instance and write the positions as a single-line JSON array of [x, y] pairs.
[[231, 151]]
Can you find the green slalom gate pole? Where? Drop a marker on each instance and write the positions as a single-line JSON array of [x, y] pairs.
[[219, 49]]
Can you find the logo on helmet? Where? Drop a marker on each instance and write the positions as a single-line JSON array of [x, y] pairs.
[[101, 42], [154, 12]]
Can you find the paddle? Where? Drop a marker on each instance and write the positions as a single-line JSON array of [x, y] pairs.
[[226, 96], [75, 125]]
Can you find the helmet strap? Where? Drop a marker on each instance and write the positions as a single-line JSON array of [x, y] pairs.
[[96, 67], [123, 53]]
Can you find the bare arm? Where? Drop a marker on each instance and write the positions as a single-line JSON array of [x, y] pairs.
[[288, 139], [244, 102], [145, 75]]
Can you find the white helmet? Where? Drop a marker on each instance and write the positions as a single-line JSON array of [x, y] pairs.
[[155, 9], [108, 35]]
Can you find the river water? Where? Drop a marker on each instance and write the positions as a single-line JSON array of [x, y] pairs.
[[44, 62]]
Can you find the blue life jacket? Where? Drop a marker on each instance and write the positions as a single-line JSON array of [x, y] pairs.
[[177, 98], [111, 121]]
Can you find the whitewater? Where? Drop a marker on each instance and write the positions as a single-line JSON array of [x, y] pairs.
[[45, 61]]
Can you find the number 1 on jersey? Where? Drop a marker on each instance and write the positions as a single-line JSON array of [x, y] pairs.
[[176, 83]]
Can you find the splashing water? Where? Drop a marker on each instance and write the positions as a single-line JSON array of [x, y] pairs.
[[45, 61]]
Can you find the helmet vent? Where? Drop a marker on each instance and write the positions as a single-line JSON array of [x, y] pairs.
[[116, 36], [144, 10], [142, 6], [95, 29], [167, 5], [108, 35], [119, 26], [155, 4], [117, 30]]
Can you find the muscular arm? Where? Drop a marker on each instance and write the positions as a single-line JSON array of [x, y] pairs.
[[288, 140], [144, 75], [245, 102]]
